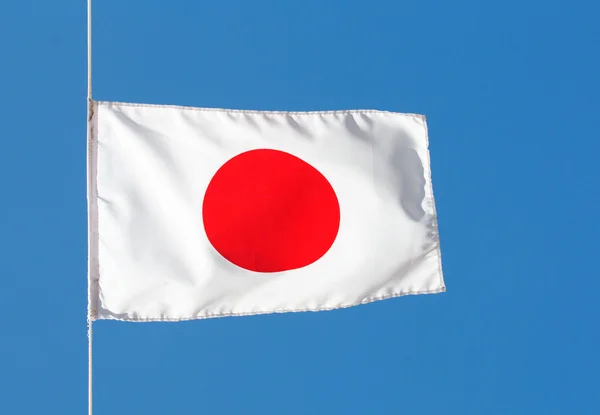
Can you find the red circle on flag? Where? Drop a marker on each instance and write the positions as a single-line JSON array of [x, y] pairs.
[[269, 211]]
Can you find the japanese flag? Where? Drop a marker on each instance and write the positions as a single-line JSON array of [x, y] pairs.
[[198, 213]]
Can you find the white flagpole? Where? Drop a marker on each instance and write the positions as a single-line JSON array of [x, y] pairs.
[[89, 366], [89, 137], [89, 51]]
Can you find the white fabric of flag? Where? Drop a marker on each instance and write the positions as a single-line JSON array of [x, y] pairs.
[[198, 213]]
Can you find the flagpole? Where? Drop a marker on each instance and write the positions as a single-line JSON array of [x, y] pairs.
[[89, 48], [89, 366], [89, 136]]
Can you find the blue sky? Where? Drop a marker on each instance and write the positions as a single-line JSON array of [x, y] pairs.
[[511, 93]]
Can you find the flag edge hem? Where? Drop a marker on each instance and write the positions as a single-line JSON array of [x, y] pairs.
[[368, 300], [257, 112], [92, 201]]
